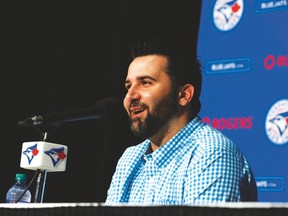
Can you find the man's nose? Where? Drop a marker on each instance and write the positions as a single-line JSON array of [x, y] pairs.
[[132, 94]]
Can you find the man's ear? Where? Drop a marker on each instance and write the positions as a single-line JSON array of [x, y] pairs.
[[186, 94]]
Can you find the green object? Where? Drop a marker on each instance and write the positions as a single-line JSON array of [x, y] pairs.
[[21, 177]]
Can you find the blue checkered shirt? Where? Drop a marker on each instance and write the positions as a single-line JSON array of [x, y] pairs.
[[198, 165]]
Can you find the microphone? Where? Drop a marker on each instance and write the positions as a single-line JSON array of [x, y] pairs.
[[99, 111]]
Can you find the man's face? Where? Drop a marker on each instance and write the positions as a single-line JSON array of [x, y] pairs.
[[150, 101]]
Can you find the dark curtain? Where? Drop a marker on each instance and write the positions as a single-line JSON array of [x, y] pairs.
[[64, 55]]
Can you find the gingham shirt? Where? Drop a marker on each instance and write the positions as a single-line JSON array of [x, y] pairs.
[[198, 165]]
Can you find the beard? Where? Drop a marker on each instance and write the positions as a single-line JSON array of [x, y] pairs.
[[160, 114]]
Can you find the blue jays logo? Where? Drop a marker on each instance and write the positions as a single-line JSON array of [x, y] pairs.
[[227, 13], [277, 122], [31, 152], [56, 154]]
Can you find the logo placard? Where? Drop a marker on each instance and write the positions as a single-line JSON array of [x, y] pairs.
[[227, 14], [277, 123]]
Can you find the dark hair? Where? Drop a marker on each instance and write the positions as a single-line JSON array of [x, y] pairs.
[[183, 65]]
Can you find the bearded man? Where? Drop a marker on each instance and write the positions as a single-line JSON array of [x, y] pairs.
[[181, 161]]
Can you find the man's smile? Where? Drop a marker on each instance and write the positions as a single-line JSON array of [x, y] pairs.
[[135, 112]]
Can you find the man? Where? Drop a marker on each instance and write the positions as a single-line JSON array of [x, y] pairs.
[[181, 160]]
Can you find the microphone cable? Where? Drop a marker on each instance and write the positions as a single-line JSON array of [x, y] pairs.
[[28, 186]]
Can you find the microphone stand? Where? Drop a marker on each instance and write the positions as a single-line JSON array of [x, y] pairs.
[[41, 181], [40, 186], [40, 174]]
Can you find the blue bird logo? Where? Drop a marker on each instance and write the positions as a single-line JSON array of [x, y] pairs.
[[228, 9], [281, 122], [56, 154], [31, 152]]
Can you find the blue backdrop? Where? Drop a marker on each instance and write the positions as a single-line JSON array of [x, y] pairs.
[[244, 51]]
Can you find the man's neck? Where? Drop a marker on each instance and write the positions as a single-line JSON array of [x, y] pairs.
[[168, 131]]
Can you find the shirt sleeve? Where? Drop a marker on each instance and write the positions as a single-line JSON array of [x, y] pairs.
[[214, 175]]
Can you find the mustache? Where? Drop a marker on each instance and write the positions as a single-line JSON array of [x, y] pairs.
[[137, 104]]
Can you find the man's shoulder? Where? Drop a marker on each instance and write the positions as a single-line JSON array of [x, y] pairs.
[[209, 133], [209, 138]]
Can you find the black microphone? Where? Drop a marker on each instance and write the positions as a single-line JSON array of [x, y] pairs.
[[99, 111]]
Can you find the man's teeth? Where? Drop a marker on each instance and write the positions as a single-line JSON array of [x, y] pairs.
[[138, 111]]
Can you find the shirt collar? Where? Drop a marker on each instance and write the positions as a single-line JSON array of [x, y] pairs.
[[163, 156]]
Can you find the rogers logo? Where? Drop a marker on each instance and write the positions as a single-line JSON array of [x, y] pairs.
[[230, 123], [271, 61]]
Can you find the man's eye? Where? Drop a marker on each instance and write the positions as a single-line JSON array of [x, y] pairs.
[[145, 82], [127, 87]]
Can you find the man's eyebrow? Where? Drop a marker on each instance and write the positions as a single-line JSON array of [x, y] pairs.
[[146, 77], [140, 78]]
